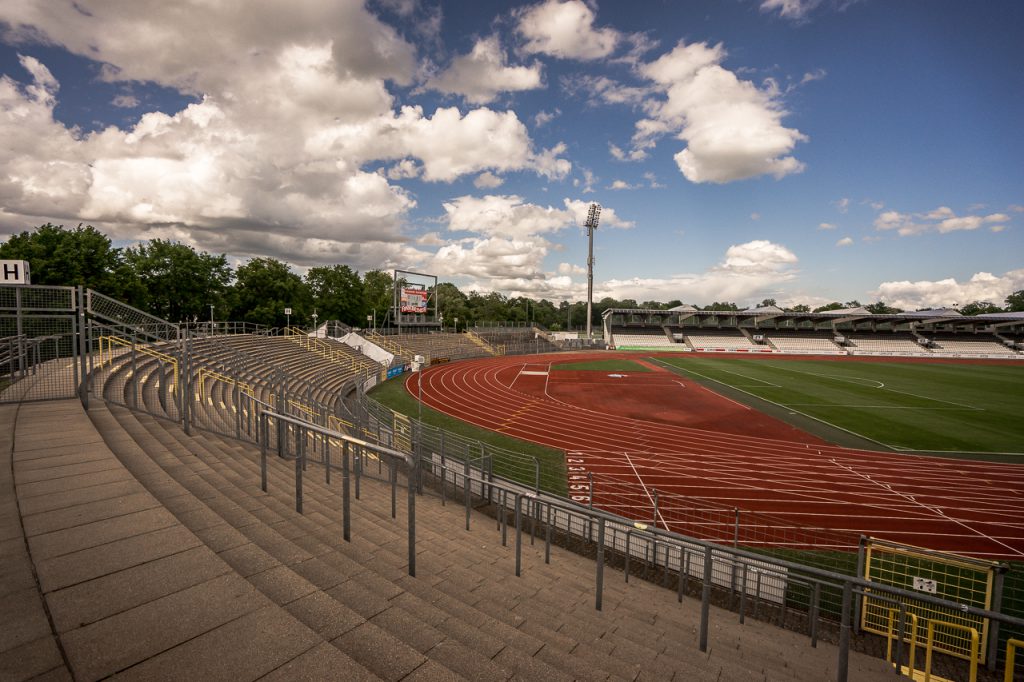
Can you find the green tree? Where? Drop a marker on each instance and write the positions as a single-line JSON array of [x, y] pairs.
[[880, 308], [264, 288], [768, 303], [177, 282], [337, 294], [378, 292], [834, 305], [721, 305], [799, 308], [63, 257], [452, 304], [1015, 302], [979, 308]]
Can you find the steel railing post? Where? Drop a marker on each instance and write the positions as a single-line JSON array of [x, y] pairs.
[[519, 534], [346, 518], [83, 347], [813, 616], [357, 465], [466, 488], [705, 602], [263, 426], [861, 560], [412, 517], [654, 494], [842, 667], [298, 472], [600, 564], [393, 473], [547, 535]]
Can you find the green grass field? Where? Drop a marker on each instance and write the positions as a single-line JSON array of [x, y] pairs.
[[392, 394], [928, 407]]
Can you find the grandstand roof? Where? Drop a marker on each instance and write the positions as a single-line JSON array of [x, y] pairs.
[[919, 317]]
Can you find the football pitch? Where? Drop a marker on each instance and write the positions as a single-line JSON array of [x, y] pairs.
[[928, 407]]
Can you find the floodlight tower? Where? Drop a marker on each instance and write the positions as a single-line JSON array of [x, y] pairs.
[[593, 215]]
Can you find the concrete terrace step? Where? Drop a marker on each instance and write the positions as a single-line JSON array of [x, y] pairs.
[[277, 567], [653, 648], [128, 590]]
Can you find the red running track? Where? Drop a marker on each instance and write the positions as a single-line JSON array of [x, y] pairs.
[[658, 430]]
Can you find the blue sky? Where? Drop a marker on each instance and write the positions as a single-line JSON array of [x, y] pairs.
[[804, 150]]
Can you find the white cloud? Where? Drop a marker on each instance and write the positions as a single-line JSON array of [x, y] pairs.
[[749, 270], [755, 216], [125, 101], [843, 205], [484, 73], [732, 129], [997, 228], [790, 9], [565, 30], [620, 154], [570, 269], [941, 220], [544, 117], [281, 153], [404, 169], [652, 180], [845, 241], [1016, 208], [826, 226], [488, 180], [621, 184], [982, 286], [506, 241], [601, 89], [811, 76]]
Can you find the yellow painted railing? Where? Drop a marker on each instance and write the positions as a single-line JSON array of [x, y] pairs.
[[1011, 653], [205, 374], [106, 348], [893, 634], [930, 642]]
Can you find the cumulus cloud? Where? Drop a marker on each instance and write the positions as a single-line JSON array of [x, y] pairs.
[[621, 184], [941, 220], [748, 270], [565, 30], [484, 73], [501, 241], [620, 154], [826, 226], [487, 180], [842, 205], [732, 129], [982, 286], [845, 241]]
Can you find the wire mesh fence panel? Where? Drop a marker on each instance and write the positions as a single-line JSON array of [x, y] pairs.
[[141, 322], [39, 361], [37, 298], [961, 580]]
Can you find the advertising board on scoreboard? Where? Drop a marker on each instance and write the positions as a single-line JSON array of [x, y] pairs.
[[414, 300]]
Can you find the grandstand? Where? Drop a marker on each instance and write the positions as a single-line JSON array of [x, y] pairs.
[[515, 340], [186, 521], [851, 331], [432, 346], [722, 340], [987, 344], [793, 341], [887, 343], [627, 338]]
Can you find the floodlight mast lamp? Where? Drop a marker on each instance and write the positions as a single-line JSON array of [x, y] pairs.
[[593, 216]]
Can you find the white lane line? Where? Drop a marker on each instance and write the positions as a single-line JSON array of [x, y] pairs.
[[644, 486], [935, 510]]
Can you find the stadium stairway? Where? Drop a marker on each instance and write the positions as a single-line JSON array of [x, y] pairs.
[[158, 555]]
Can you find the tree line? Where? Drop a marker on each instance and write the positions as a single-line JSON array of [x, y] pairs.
[[177, 283]]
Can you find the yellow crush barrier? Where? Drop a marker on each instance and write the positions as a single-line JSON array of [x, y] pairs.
[[929, 647], [912, 617], [1011, 654], [106, 348], [205, 373]]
